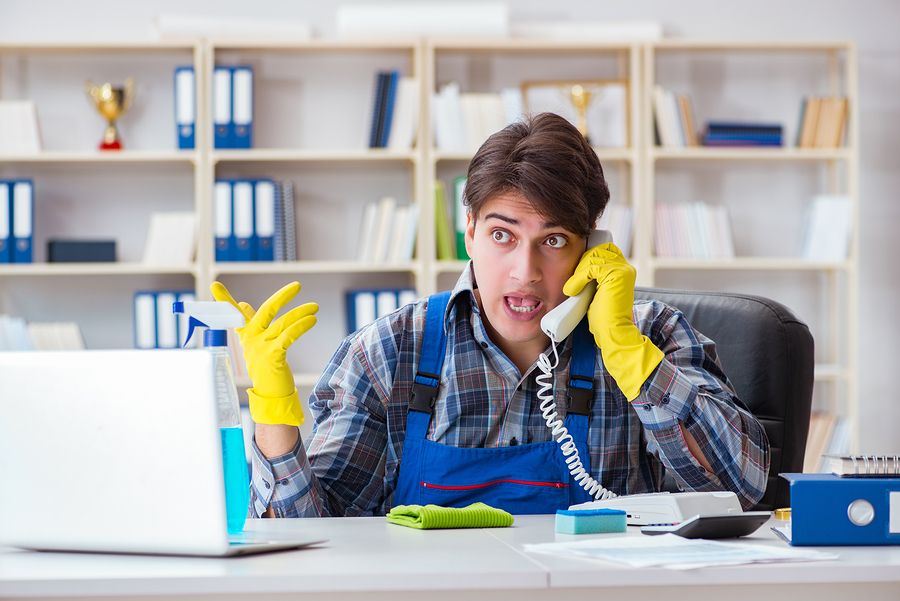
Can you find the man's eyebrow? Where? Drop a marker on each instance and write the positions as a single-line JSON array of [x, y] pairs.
[[513, 221]]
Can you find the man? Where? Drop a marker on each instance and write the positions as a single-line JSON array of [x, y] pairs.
[[448, 411]]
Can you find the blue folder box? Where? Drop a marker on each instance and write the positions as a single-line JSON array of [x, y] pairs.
[[827, 509]]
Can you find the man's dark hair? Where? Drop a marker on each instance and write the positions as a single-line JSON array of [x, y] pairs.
[[547, 160]]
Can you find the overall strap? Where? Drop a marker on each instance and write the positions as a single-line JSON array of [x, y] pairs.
[[434, 343], [580, 392]]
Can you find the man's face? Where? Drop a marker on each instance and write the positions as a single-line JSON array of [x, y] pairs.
[[521, 263]]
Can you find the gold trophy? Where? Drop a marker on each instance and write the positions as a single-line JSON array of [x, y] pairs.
[[581, 99], [111, 103]]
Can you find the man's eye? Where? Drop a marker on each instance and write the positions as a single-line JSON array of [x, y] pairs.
[[557, 241], [500, 236]]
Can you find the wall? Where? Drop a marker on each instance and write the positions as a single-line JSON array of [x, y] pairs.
[[871, 24]]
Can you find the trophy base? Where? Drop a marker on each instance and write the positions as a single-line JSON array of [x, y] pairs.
[[116, 145]]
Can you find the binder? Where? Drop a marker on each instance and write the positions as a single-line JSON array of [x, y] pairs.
[[290, 221], [5, 223], [22, 217], [224, 221], [360, 309], [377, 105], [222, 122], [265, 220], [185, 107], [280, 244], [386, 302], [242, 208], [144, 320], [827, 509], [393, 78], [166, 321], [242, 107], [406, 296]]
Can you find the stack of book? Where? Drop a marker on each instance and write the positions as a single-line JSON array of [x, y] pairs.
[[18, 335], [450, 221], [693, 230], [254, 220], [617, 219], [734, 133], [395, 111], [366, 305], [829, 434], [462, 122], [674, 119], [388, 232], [822, 122]]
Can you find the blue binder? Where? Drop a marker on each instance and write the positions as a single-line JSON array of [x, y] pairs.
[[243, 219], [241, 107], [185, 106], [264, 219], [390, 101], [222, 108], [827, 509], [22, 219], [5, 222], [223, 221], [145, 319]]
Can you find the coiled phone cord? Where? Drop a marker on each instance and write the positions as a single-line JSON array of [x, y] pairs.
[[560, 432]]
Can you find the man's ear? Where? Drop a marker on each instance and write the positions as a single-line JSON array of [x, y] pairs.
[[470, 232]]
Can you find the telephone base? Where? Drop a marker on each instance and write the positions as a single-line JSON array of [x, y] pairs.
[[668, 508]]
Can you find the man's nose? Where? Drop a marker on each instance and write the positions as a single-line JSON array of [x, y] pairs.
[[526, 266]]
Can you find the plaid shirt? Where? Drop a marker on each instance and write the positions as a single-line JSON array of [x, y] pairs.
[[350, 466]]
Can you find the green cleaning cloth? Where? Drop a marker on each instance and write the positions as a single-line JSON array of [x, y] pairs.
[[476, 515]]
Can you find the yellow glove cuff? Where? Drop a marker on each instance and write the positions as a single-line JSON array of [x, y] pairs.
[[630, 358], [284, 410]]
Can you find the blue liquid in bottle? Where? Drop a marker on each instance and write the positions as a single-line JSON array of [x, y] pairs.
[[237, 480]]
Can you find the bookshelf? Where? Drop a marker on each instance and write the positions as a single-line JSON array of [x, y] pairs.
[[481, 66], [312, 114], [775, 78]]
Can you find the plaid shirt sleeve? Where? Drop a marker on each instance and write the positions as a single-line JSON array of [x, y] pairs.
[[340, 473], [690, 388]]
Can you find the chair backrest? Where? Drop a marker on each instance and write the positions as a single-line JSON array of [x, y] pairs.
[[768, 355]]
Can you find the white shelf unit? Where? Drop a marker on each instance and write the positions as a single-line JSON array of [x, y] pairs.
[[312, 115], [776, 78], [313, 103], [490, 65], [83, 193]]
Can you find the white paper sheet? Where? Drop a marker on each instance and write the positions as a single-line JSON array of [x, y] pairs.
[[674, 552]]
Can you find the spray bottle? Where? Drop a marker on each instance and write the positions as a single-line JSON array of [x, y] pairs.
[[217, 317]]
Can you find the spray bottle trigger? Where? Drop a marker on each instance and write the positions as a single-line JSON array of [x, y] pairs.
[[193, 322]]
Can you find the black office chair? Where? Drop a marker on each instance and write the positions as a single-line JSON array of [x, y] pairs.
[[767, 354]]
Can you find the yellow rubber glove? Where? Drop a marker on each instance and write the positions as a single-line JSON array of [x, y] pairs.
[[628, 355], [273, 397]]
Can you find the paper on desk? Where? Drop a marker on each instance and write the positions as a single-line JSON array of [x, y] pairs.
[[674, 552]]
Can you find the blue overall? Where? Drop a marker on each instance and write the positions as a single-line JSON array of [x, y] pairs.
[[522, 479]]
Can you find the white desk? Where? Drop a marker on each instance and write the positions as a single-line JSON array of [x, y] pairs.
[[368, 556]]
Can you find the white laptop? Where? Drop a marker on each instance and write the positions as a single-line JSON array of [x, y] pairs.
[[114, 451]]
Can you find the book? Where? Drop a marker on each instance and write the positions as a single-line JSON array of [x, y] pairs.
[[821, 426], [19, 132], [862, 466], [290, 221], [687, 120], [828, 227], [830, 125], [443, 232], [171, 239], [810, 111]]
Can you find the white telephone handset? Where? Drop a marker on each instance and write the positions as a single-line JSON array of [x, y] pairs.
[[559, 323]]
